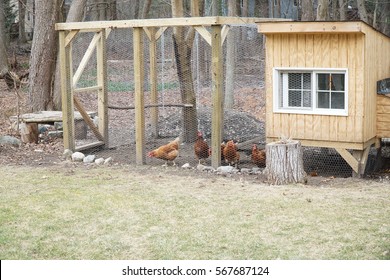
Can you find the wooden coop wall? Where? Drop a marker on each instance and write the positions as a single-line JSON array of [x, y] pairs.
[[378, 68], [320, 51]]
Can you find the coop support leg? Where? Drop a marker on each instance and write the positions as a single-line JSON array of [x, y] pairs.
[[357, 160]]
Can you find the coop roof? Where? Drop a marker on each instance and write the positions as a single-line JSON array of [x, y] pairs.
[[313, 27]]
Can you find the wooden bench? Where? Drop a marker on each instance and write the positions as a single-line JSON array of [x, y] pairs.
[[30, 121]]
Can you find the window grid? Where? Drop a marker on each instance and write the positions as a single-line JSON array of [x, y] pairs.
[[311, 91]]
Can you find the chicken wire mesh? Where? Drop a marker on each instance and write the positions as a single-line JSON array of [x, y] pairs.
[[243, 119]]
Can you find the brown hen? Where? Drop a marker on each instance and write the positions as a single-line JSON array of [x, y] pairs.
[[230, 153], [201, 148], [258, 157], [167, 152]]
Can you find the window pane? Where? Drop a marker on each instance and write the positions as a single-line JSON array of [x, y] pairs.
[[294, 81], [338, 82], [294, 98], [306, 98], [323, 99], [323, 81], [338, 100], [306, 81]]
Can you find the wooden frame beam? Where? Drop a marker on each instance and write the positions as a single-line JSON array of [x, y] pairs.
[[217, 95], [65, 56], [101, 65], [139, 95], [163, 22]]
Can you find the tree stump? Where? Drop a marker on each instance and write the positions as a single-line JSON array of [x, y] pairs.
[[284, 162]]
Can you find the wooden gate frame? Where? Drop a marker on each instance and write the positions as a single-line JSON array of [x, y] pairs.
[[153, 29]]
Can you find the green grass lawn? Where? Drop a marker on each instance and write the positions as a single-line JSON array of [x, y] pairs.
[[154, 213]]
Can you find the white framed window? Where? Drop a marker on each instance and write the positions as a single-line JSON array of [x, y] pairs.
[[311, 91]]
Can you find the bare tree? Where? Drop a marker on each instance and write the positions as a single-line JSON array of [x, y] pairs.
[[323, 10], [43, 54], [183, 44], [362, 10], [230, 58], [76, 13], [3, 50], [22, 13], [307, 10], [342, 10]]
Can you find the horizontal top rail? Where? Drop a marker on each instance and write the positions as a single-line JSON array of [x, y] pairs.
[[161, 22]]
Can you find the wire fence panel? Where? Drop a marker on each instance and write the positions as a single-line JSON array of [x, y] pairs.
[[178, 75]]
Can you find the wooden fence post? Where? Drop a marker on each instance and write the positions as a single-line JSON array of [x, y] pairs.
[[284, 163]]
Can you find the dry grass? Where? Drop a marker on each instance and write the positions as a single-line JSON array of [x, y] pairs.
[[151, 213]]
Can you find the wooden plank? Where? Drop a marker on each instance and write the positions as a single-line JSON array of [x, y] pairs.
[[87, 55], [87, 89], [224, 33], [139, 96], [385, 118], [217, 95], [101, 65], [89, 146], [162, 22], [204, 33], [66, 92], [329, 144], [87, 119], [310, 27], [350, 159], [309, 51], [70, 36]]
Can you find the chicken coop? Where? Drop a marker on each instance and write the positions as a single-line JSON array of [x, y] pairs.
[[154, 79], [322, 86]]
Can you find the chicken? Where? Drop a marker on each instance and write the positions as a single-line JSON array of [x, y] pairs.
[[201, 147], [230, 153], [167, 152], [258, 157]]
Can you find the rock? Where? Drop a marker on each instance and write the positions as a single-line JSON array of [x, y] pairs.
[[200, 167], [108, 161], [89, 159], [78, 156], [186, 166], [246, 170], [208, 169], [67, 154], [10, 140], [55, 134], [256, 170], [225, 169], [58, 125], [99, 161]]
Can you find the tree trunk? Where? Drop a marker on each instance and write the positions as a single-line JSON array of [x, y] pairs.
[[76, 13], [307, 10], [230, 59], [43, 54], [3, 49], [362, 10], [284, 163], [342, 8], [322, 10], [22, 12], [183, 50]]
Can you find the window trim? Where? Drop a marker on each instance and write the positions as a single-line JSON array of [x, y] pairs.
[[310, 110]]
